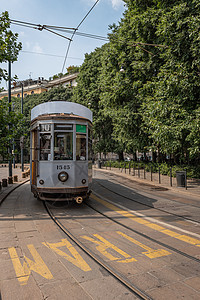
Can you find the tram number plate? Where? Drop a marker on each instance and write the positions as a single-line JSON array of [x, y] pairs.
[[63, 167]]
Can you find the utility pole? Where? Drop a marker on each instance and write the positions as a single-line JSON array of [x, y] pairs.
[[10, 179], [22, 138], [13, 151]]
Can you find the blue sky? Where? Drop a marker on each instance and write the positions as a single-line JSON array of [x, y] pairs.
[[48, 49]]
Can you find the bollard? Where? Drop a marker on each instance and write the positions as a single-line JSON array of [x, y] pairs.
[[144, 173], [159, 175], [4, 182], [10, 180], [15, 177], [151, 174], [170, 176]]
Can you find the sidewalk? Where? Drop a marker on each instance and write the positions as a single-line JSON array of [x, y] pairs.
[[193, 185], [4, 173]]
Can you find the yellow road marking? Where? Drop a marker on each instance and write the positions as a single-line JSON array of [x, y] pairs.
[[151, 253], [23, 271], [77, 260], [103, 245], [154, 226]]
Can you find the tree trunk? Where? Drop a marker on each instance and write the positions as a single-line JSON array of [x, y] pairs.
[[121, 155]]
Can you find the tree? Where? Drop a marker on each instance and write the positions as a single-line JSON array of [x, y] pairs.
[[172, 96], [88, 91], [156, 98], [59, 93], [7, 134], [9, 48], [72, 69]]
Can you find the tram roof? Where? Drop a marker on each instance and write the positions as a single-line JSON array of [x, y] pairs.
[[60, 107]]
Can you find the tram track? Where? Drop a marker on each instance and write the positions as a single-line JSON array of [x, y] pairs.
[[122, 279], [148, 205], [95, 257]]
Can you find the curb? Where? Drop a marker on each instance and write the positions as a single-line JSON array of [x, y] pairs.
[[139, 180]]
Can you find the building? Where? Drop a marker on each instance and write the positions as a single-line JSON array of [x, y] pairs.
[[39, 86]]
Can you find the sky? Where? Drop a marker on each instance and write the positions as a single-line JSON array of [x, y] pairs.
[[42, 52]]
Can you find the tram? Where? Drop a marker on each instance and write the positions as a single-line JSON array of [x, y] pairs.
[[61, 151]]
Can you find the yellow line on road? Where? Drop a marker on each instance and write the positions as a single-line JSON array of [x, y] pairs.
[[103, 245], [151, 253], [75, 259], [184, 238], [23, 271]]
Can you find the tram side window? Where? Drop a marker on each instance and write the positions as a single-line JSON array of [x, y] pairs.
[[63, 146], [45, 146], [80, 146], [89, 144]]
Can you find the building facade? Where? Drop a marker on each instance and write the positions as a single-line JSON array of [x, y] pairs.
[[39, 86]]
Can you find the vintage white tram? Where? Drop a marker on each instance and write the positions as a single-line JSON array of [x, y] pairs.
[[61, 151]]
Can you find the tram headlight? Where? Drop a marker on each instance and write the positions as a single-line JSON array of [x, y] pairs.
[[63, 176]]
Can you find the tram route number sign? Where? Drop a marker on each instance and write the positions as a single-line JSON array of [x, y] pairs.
[[63, 167]]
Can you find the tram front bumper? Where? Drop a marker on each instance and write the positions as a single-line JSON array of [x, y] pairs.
[[61, 194]]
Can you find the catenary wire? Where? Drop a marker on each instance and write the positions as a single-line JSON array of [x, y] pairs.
[[58, 28], [67, 52], [48, 54]]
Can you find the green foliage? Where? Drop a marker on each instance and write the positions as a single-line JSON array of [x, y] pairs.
[[21, 123], [73, 69], [143, 86], [87, 92], [70, 70], [9, 48], [11, 126], [165, 169]]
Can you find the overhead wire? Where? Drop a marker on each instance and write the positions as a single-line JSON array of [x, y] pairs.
[[73, 31], [48, 54], [67, 52], [58, 28]]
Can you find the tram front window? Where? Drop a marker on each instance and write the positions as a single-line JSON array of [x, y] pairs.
[[45, 146], [80, 146], [63, 146]]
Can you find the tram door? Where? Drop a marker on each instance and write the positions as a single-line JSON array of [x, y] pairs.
[[34, 156]]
